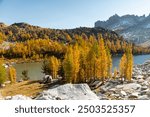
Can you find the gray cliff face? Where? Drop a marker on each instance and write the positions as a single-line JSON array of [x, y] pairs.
[[132, 28]]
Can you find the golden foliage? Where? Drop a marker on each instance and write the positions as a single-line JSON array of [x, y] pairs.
[[12, 74], [87, 61], [54, 65], [68, 65], [3, 74], [126, 64]]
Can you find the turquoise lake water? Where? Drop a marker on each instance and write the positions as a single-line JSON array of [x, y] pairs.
[[35, 72]]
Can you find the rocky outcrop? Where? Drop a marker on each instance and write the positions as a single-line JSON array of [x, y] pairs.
[[68, 92], [63, 92], [138, 88]]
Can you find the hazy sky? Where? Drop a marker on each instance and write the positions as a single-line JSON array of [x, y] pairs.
[[68, 13]]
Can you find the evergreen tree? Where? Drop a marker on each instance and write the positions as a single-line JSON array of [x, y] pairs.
[[25, 75]]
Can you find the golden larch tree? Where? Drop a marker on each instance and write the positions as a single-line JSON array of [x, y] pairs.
[[12, 74], [76, 62], [68, 65], [126, 64], [109, 62], [129, 64], [102, 60], [54, 65], [122, 66]]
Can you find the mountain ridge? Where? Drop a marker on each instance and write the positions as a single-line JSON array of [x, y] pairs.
[[24, 32], [21, 30], [132, 27]]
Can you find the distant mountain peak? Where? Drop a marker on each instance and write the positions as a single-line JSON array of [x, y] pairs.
[[114, 16], [132, 27]]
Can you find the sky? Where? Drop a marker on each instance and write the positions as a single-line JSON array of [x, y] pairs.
[[66, 14]]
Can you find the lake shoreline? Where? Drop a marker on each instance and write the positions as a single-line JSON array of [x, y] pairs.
[[137, 89], [36, 66], [28, 60]]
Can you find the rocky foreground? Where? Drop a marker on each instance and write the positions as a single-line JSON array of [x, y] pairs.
[[63, 92], [138, 88]]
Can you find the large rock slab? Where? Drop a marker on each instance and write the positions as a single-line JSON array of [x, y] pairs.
[[68, 92]]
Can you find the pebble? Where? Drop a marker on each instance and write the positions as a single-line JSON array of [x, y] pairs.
[[144, 92], [140, 81], [143, 97], [123, 93], [140, 76], [148, 93], [145, 83], [144, 87], [133, 95]]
